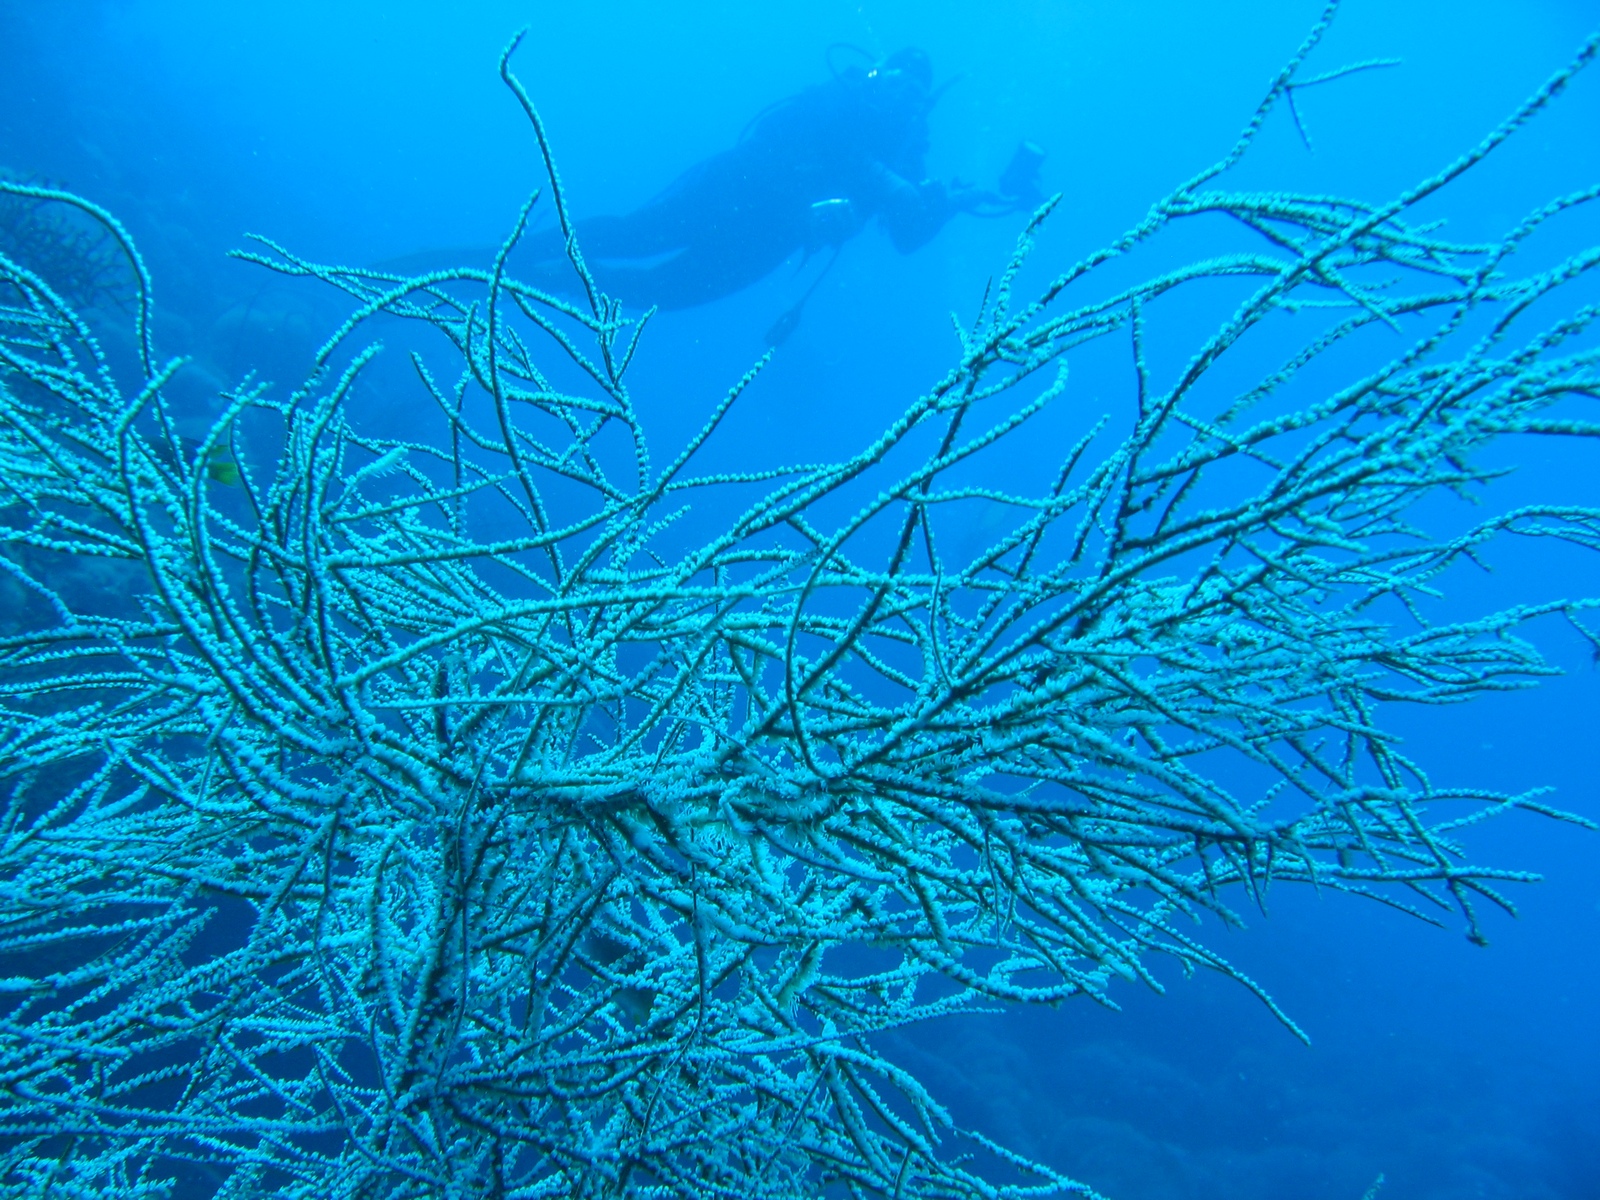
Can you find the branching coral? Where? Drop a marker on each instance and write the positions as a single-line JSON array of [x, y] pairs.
[[435, 822]]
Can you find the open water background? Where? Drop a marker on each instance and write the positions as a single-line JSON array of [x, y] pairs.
[[359, 131]]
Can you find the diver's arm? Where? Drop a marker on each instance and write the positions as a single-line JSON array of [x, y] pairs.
[[911, 213]]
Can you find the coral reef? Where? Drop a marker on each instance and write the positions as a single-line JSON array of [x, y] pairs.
[[436, 820]]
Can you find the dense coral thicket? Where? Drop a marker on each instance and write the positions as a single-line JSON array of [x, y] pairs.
[[428, 816]]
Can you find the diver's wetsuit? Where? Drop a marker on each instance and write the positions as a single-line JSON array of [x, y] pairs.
[[809, 172]]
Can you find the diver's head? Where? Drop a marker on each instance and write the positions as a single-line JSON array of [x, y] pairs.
[[909, 68]]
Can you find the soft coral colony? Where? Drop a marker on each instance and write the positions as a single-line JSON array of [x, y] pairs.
[[434, 820]]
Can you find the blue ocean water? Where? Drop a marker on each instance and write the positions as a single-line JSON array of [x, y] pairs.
[[365, 132]]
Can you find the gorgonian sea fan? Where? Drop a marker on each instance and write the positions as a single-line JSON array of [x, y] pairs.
[[429, 816], [68, 248]]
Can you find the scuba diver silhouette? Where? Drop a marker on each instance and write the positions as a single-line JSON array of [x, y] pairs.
[[807, 174]]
